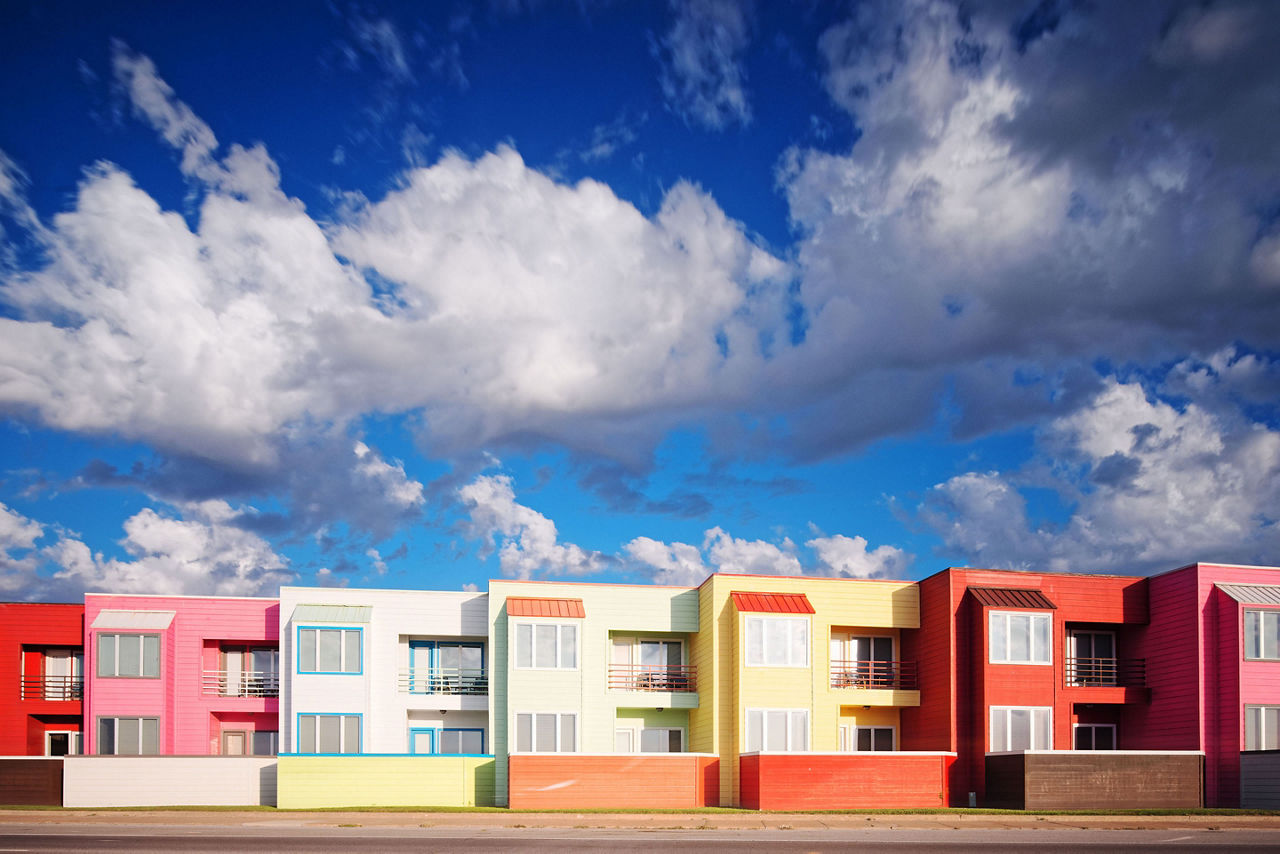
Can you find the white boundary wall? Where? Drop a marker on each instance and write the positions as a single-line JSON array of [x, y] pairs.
[[146, 781]]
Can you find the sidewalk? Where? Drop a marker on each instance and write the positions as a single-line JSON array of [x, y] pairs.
[[650, 821]]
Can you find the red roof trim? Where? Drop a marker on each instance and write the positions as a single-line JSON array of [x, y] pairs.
[[526, 606], [772, 603], [1012, 597]]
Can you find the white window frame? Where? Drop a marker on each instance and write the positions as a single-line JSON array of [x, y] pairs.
[[1007, 713], [1256, 623], [533, 732], [143, 638], [115, 734], [663, 729], [563, 648], [1256, 731], [1075, 728], [345, 667], [762, 724], [996, 656], [759, 652], [75, 741], [313, 747]]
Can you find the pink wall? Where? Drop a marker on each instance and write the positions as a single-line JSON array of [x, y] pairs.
[[190, 721]]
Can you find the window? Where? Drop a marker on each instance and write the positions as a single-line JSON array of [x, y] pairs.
[[328, 733], [1262, 635], [867, 738], [777, 730], [266, 742], [662, 740], [649, 665], [1025, 728], [1019, 638], [1262, 727], [329, 650], [58, 742], [249, 672], [1091, 658], [128, 736], [546, 732], [449, 740], [1095, 737], [862, 661], [129, 655], [546, 646], [777, 642]]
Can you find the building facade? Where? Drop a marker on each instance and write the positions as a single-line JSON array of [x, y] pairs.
[[42, 671]]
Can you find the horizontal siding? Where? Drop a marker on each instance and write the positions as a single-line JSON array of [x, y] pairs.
[[1260, 780], [144, 781], [317, 782], [780, 781], [633, 781], [37, 625]]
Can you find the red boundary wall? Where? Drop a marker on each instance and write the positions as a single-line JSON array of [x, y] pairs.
[[640, 781], [824, 781]]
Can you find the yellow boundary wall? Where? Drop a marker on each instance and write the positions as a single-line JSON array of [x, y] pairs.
[[309, 782]]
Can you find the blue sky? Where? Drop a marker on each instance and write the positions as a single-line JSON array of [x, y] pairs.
[[418, 295]]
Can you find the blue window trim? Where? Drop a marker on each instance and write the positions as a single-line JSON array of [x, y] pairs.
[[423, 729], [434, 646], [436, 732], [297, 646], [297, 731]]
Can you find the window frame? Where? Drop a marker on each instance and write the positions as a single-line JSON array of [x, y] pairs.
[[1252, 730], [342, 733], [764, 730], [533, 731], [762, 620], [560, 645], [115, 650], [115, 734], [1008, 728], [1261, 616], [1007, 617], [342, 651], [1076, 727], [437, 733], [893, 738], [274, 739]]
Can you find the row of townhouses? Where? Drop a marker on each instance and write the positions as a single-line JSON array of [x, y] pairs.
[[971, 687]]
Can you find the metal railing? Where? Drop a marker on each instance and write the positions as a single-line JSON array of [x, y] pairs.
[[52, 687], [444, 680], [899, 675], [245, 683], [1106, 672], [653, 677]]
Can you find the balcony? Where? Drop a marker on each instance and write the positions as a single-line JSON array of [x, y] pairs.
[[883, 675], [466, 681], [1106, 673], [240, 683], [52, 687], [653, 677]]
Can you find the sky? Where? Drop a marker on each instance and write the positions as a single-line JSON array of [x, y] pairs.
[[419, 295]]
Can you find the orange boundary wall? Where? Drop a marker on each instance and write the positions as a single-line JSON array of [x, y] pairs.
[[826, 781], [640, 781]]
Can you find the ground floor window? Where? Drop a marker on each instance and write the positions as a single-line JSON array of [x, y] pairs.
[[62, 743], [546, 732], [128, 736], [877, 738], [450, 741], [1021, 728], [328, 733], [777, 730], [1095, 737], [1262, 727]]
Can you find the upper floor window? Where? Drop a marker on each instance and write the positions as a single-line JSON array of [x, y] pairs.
[[329, 650], [1262, 727], [777, 729], [129, 655], [1020, 638], [547, 646], [1262, 635], [777, 642]]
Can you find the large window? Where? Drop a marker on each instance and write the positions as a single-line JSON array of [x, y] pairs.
[[1262, 635], [1020, 638], [129, 655], [328, 733], [1021, 728], [128, 736], [1262, 727], [546, 732], [777, 729], [329, 650], [547, 646], [777, 642]]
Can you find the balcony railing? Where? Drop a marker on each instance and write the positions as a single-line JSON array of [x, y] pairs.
[[52, 687], [444, 680], [897, 675], [245, 683], [1106, 672], [653, 677]]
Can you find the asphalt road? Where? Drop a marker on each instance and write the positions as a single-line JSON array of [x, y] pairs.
[[80, 838]]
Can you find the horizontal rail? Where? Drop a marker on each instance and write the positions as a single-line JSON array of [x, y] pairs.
[[653, 677], [52, 687], [245, 683], [896, 675], [444, 680], [1106, 672]]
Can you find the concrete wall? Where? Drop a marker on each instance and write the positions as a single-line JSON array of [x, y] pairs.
[[313, 782], [832, 781], [1095, 779], [622, 781], [146, 781], [1260, 780]]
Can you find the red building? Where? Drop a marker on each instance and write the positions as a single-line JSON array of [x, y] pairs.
[[41, 678], [1012, 661]]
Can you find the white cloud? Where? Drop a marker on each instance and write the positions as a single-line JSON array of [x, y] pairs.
[[702, 75], [527, 541], [381, 39], [18, 559], [678, 564], [848, 557]]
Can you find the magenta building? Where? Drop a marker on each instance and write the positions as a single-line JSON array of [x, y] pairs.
[[181, 675]]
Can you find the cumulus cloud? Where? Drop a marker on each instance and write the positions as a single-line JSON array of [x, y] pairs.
[[18, 557], [702, 74]]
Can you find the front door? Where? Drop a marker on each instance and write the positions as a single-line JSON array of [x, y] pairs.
[[233, 742], [61, 743], [422, 741]]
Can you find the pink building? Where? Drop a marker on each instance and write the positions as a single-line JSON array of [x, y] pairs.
[[1213, 667], [181, 675]]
